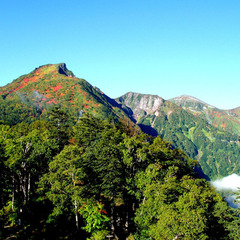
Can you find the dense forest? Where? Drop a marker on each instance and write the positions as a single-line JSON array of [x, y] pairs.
[[75, 165], [32, 96], [103, 179]]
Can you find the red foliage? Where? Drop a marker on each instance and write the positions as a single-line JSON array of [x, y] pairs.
[[37, 71], [51, 101], [56, 88], [72, 141], [104, 211], [23, 83], [48, 95], [86, 106]]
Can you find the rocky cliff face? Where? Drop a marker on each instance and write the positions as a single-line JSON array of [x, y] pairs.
[[62, 69], [141, 104]]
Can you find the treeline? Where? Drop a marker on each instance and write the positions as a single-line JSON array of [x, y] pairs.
[[103, 179]]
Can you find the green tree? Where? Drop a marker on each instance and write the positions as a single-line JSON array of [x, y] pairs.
[[63, 183], [66, 185], [28, 151], [5, 174], [60, 122], [174, 208]]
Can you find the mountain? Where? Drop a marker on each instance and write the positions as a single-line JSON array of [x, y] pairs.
[[228, 120], [108, 180], [30, 96], [216, 150], [188, 123]]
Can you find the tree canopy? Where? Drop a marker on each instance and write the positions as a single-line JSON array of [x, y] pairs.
[[98, 178]]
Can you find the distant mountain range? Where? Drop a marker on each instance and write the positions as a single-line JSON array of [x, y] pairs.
[[205, 133], [228, 120], [216, 149]]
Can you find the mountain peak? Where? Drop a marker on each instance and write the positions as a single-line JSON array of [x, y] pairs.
[[142, 104], [183, 99], [31, 95], [60, 68]]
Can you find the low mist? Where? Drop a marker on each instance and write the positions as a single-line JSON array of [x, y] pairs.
[[231, 182], [228, 186]]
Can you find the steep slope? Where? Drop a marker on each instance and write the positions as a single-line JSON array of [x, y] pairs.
[[186, 123], [141, 104], [216, 150], [228, 120], [28, 97]]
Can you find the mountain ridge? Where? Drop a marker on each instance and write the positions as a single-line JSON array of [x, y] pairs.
[[203, 133], [228, 120], [189, 98], [29, 96], [211, 145]]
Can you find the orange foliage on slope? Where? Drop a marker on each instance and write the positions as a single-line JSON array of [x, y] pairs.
[[56, 88]]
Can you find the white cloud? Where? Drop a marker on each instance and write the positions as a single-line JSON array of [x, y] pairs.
[[231, 182]]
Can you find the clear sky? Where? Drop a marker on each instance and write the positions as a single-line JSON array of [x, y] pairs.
[[163, 47]]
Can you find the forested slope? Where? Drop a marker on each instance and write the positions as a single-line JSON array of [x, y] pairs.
[[74, 165], [99, 178], [217, 151]]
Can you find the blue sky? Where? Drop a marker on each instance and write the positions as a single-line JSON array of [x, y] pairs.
[[162, 47]]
